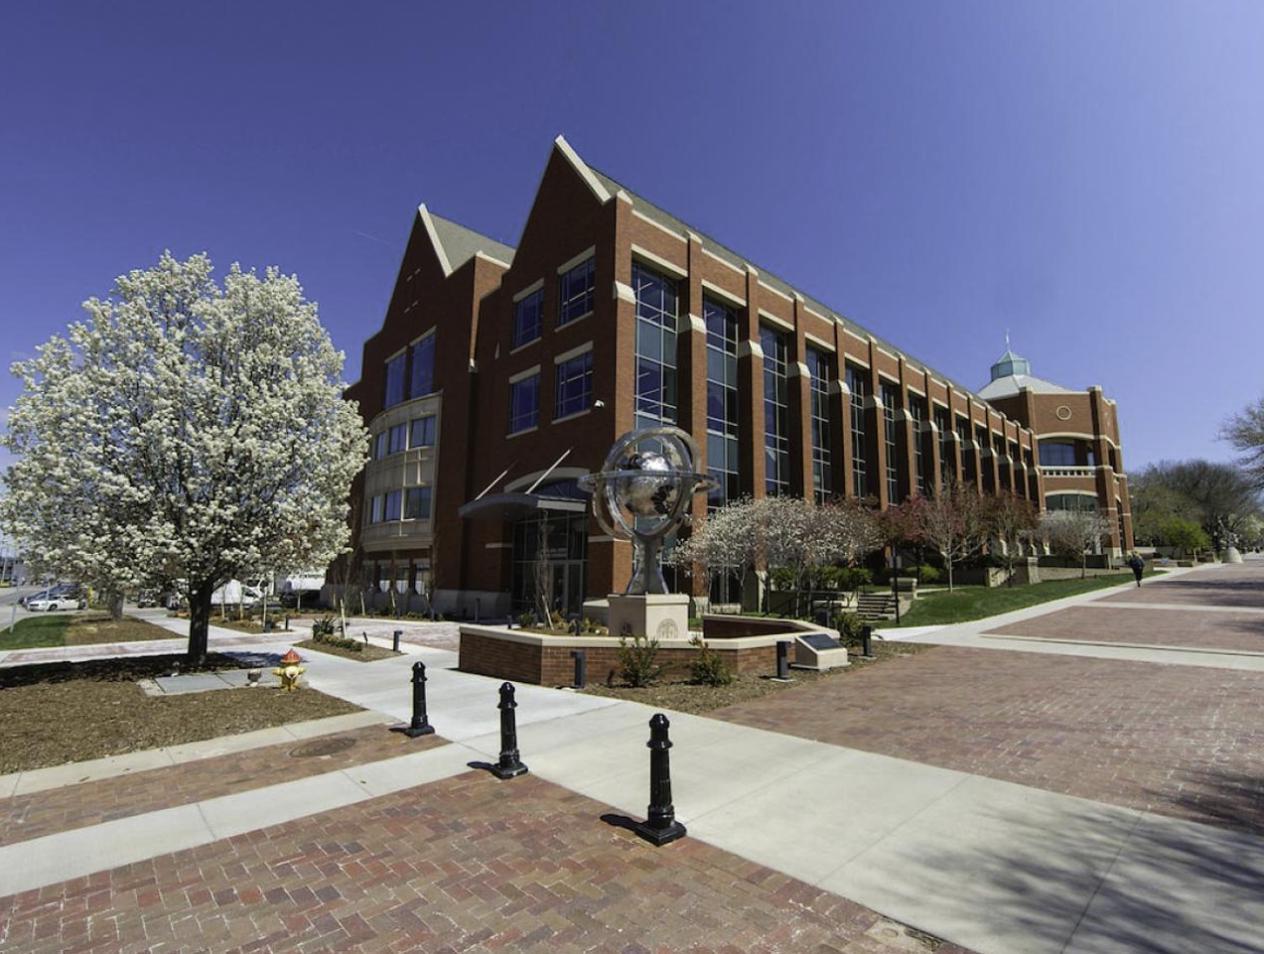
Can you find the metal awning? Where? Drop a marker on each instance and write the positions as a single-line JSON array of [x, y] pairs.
[[513, 506]]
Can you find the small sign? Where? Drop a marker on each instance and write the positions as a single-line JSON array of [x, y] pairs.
[[820, 641]]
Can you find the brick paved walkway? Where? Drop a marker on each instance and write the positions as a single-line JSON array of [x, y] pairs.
[[1239, 585], [1181, 741], [1155, 627], [467, 864], [76, 806]]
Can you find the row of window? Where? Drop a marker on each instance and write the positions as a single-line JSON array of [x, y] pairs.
[[410, 374], [410, 503], [572, 393], [420, 432], [574, 300]]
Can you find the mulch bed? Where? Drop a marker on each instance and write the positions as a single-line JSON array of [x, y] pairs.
[[367, 653], [69, 712], [695, 698]]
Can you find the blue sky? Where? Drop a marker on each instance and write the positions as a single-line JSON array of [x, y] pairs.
[[1086, 175]]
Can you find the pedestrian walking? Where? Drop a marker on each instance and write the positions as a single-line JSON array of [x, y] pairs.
[[1138, 566]]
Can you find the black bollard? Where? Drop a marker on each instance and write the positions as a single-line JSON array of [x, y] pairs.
[[660, 827], [420, 724], [395, 639], [581, 667], [783, 659], [510, 765], [866, 649]]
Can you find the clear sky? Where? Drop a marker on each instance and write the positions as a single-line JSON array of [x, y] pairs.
[[1088, 175]]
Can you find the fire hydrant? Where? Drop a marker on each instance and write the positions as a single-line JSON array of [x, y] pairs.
[[289, 670]]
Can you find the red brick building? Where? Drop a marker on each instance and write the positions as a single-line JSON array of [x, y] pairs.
[[501, 375]]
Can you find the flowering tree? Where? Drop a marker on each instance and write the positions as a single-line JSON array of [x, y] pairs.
[[184, 433], [1074, 532], [952, 522], [1011, 521], [725, 542]]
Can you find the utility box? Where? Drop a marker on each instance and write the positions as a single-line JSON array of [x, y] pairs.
[[819, 651]]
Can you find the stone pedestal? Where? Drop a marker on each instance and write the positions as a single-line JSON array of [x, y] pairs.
[[656, 615]]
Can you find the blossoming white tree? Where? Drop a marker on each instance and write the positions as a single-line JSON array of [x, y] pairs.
[[183, 434], [1074, 533]]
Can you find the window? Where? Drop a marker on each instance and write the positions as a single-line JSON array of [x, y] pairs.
[[891, 430], [422, 381], [1081, 502], [722, 416], [776, 412], [576, 292], [947, 460], [917, 411], [969, 455], [574, 386], [417, 503], [1053, 454], [398, 439], [527, 314], [858, 385], [393, 501], [379, 445], [375, 510], [524, 403], [656, 313], [395, 380], [821, 368], [423, 432]]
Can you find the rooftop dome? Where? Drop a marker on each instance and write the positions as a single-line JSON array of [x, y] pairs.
[[1010, 363]]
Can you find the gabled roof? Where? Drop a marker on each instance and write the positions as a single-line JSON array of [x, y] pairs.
[[682, 228], [455, 244]]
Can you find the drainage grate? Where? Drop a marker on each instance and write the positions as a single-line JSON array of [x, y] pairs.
[[321, 747]]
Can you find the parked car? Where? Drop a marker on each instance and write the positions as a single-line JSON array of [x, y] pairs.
[[49, 603], [146, 598]]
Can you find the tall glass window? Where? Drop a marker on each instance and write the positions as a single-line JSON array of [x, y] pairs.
[[417, 503], [394, 393], [821, 368], [1057, 454], [656, 313], [943, 423], [398, 439], [890, 421], [422, 381], [423, 432], [917, 411], [380, 445], [574, 386], [375, 509], [969, 455], [858, 385], [524, 404], [776, 411], [576, 292], [527, 314], [394, 499], [722, 414]]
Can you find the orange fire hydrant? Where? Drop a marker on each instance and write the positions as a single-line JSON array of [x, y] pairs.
[[289, 670]]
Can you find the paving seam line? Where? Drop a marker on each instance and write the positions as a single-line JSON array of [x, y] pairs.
[[1123, 843], [128, 763], [1146, 646]]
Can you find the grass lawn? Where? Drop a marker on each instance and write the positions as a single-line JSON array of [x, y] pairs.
[[688, 697], [977, 602], [60, 629], [367, 653], [69, 712]]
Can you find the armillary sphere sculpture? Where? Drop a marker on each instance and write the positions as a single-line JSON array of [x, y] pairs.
[[643, 492]]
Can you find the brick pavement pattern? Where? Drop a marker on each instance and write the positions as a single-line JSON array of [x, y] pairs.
[[1098, 622], [1183, 741], [1240, 585], [76, 806], [467, 864]]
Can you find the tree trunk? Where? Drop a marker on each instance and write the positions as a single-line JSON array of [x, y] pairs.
[[116, 606], [948, 562], [199, 621]]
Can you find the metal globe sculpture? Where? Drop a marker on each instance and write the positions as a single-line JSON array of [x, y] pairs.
[[643, 492]]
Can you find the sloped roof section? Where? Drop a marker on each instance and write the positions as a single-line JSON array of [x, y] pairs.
[[681, 228], [1010, 384], [457, 244]]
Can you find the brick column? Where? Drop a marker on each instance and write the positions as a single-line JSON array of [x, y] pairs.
[[750, 374], [876, 422], [841, 403], [800, 388]]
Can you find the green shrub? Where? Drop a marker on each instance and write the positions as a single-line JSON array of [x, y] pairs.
[[342, 642], [323, 627], [854, 577], [849, 627], [638, 661], [708, 669], [928, 574], [526, 620]]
